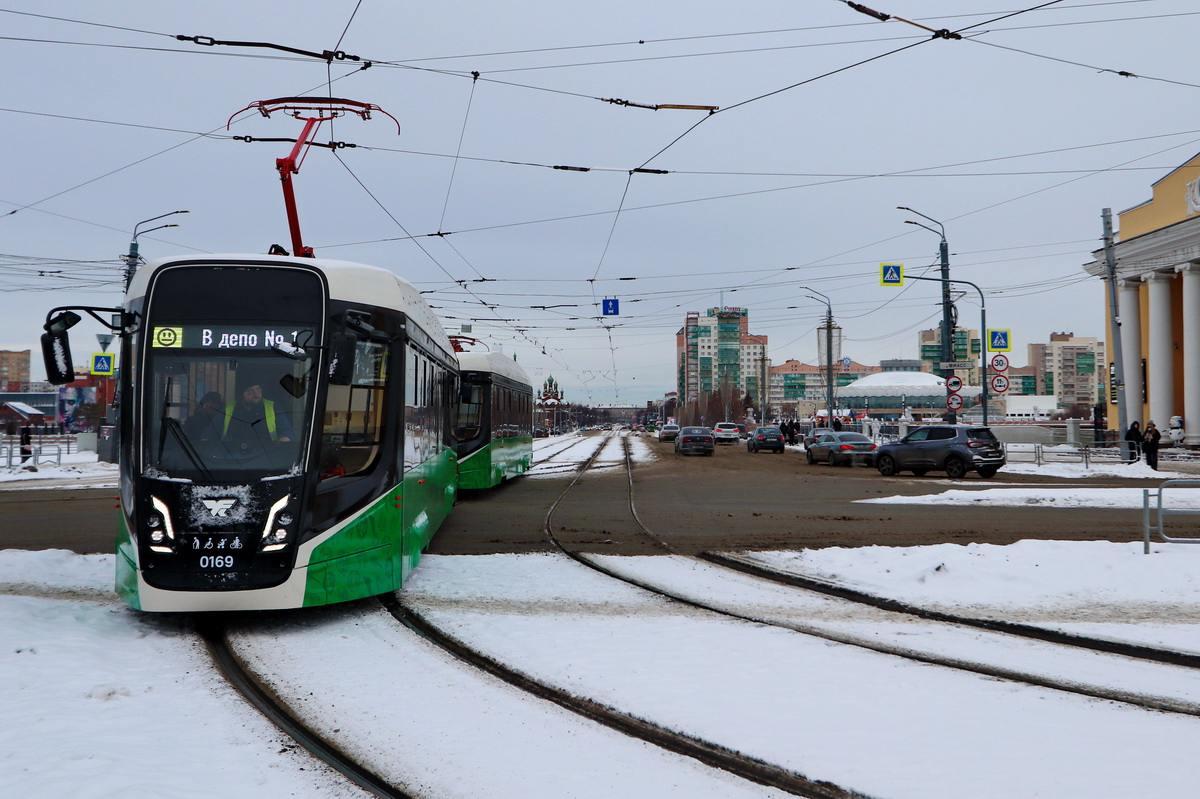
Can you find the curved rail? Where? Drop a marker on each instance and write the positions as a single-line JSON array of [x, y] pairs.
[[1144, 701], [264, 701]]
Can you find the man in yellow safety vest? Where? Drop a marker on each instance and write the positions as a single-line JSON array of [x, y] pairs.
[[255, 418]]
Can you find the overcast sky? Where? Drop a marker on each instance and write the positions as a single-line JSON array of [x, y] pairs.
[[1022, 237]]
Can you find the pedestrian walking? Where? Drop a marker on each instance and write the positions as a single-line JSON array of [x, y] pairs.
[[1150, 441], [1134, 436]]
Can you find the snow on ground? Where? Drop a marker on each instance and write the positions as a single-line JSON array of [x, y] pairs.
[[1133, 471], [1089, 587], [563, 458], [640, 452], [423, 719], [1026, 496], [101, 701], [56, 571], [869, 722], [79, 469]]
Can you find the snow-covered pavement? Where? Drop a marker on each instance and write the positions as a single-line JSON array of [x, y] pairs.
[[1027, 496], [92, 687], [866, 721], [78, 470], [100, 701], [1100, 588], [427, 721]]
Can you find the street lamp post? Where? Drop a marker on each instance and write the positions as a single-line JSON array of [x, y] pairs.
[[828, 352], [944, 257], [131, 258]]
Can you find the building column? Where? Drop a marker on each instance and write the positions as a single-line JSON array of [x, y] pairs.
[[1130, 310], [1191, 353], [1161, 363]]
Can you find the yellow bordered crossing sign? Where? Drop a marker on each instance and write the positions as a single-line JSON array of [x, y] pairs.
[[891, 274], [104, 364]]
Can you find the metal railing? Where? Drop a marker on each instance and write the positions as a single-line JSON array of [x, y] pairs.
[[1154, 514], [39, 455]]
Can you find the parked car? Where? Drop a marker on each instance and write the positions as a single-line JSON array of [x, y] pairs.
[[841, 449], [668, 432], [765, 438], [695, 439], [815, 433], [540, 432], [953, 449], [726, 433]]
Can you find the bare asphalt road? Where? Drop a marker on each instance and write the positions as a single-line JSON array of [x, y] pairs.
[[733, 500]]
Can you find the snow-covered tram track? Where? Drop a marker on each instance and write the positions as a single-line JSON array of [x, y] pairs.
[[983, 650], [259, 695]]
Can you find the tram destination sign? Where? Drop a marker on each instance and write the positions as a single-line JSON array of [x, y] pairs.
[[227, 337]]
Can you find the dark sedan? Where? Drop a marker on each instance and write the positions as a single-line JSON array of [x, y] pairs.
[[765, 438], [841, 449], [695, 439]]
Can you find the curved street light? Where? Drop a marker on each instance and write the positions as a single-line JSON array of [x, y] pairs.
[[131, 258]]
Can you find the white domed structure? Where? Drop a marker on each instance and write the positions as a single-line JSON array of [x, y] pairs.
[[895, 390]]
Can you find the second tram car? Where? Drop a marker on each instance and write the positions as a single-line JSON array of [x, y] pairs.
[[286, 434], [494, 426]]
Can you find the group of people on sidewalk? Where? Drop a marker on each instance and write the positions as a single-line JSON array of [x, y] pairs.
[[1144, 442]]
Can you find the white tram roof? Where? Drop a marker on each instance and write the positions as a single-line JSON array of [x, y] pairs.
[[495, 362], [348, 281]]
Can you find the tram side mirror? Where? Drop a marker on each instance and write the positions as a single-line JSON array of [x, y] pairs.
[[56, 348], [342, 349]]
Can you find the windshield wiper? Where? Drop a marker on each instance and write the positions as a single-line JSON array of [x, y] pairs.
[[167, 423]]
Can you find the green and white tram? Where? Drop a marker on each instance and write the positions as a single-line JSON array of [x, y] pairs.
[[285, 431], [494, 427]]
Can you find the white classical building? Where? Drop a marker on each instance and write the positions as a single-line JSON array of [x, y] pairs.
[[1158, 272]]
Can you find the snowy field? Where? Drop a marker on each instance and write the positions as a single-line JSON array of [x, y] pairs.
[[1033, 496]]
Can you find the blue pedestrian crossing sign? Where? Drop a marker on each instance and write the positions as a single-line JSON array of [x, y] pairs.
[[611, 306], [103, 364], [999, 340], [891, 275]]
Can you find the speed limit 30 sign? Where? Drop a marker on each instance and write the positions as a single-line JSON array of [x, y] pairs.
[[1000, 363]]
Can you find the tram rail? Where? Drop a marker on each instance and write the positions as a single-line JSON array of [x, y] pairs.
[[262, 699], [1137, 699]]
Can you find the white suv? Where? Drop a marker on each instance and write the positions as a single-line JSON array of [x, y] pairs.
[[726, 433]]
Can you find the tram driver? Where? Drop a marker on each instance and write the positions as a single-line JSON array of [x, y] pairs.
[[254, 420], [204, 425]]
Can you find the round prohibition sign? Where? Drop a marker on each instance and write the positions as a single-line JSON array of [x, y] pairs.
[[953, 383], [999, 384], [1000, 362], [954, 402]]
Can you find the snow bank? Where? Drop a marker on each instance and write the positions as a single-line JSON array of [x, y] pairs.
[[55, 570], [1026, 496], [1133, 471]]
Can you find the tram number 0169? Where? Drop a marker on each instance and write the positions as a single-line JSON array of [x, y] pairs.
[[216, 561]]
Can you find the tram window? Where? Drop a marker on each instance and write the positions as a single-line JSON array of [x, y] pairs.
[[351, 432]]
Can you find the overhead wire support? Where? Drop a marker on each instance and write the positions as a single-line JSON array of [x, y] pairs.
[[328, 56], [712, 109]]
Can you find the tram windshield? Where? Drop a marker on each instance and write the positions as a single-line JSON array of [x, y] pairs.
[[227, 396]]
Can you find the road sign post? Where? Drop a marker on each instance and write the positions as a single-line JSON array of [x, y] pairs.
[[611, 306]]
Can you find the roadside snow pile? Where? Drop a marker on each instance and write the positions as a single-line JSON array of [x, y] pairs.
[[74, 465], [640, 452], [55, 571], [1125, 498]]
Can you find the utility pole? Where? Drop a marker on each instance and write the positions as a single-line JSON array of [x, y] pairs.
[[829, 365], [1114, 315]]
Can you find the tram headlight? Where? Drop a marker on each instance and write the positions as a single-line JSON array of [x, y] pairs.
[[156, 536], [154, 521], [280, 536], [284, 518]]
